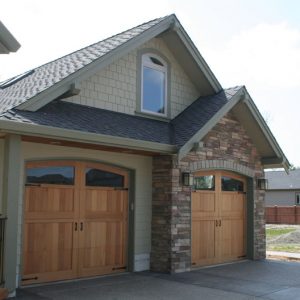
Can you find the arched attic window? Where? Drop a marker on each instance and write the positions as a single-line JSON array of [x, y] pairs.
[[154, 85]]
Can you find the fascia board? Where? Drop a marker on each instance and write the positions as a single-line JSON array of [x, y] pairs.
[[3, 49], [8, 40], [266, 131], [83, 137], [49, 94], [197, 57], [45, 97], [187, 147]]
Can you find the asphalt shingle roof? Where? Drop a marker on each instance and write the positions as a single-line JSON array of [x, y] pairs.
[[194, 117], [280, 180], [65, 115], [47, 75]]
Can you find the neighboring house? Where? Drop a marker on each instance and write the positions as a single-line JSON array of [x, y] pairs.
[[8, 43], [97, 150], [283, 189]]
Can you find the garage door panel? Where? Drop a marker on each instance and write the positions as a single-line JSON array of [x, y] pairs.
[[49, 202], [232, 204], [101, 203], [203, 202], [102, 246], [232, 239], [48, 249], [203, 241]]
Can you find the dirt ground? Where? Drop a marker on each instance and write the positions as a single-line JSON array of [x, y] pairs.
[[288, 238]]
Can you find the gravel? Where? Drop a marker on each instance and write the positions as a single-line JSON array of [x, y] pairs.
[[288, 238]]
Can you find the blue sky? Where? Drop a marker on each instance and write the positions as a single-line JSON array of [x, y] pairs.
[[253, 43]]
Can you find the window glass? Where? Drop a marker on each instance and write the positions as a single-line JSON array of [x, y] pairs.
[[231, 184], [50, 175], [96, 177], [156, 61], [153, 90], [154, 80], [298, 199], [204, 182]]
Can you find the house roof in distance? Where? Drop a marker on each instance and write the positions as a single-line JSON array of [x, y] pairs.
[[280, 180]]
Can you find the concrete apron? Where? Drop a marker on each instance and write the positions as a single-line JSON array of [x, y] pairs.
[[285, 256], [263, 279]]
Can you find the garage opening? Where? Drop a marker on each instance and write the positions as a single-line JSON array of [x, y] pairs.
[[218, 218], [75, 221]]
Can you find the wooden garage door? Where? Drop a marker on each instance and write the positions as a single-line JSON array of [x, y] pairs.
[[218, 218], [76, 219]]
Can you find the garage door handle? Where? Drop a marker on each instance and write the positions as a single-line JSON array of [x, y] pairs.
[[218, 223]]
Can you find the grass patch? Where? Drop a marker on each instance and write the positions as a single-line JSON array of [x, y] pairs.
[[273, 232], [284, 247]]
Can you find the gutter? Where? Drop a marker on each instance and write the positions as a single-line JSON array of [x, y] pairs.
[[83, 137]]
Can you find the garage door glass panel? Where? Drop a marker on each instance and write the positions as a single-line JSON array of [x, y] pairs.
[[96, 177], [204, 182], [50, 175], [232, 185]]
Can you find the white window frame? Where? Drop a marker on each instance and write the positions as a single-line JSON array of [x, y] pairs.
[[164, 69]]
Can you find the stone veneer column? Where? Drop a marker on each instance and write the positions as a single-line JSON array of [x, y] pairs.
[[171, 218], [259, 225]]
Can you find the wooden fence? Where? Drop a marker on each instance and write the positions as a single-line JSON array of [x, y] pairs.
[[283, 214]]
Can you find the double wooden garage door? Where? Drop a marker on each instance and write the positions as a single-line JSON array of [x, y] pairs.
[[218, 218], [76, 217]]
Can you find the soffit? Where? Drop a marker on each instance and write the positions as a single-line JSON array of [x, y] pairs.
[[187, 62], [243, 114]]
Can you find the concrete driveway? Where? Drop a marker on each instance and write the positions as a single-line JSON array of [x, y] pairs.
[[244, 280]]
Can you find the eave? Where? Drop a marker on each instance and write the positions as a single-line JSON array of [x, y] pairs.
[[84, 137]]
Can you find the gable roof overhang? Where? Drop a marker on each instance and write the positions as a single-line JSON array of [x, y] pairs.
[[246, 112], [176, 38], [8, 42]]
